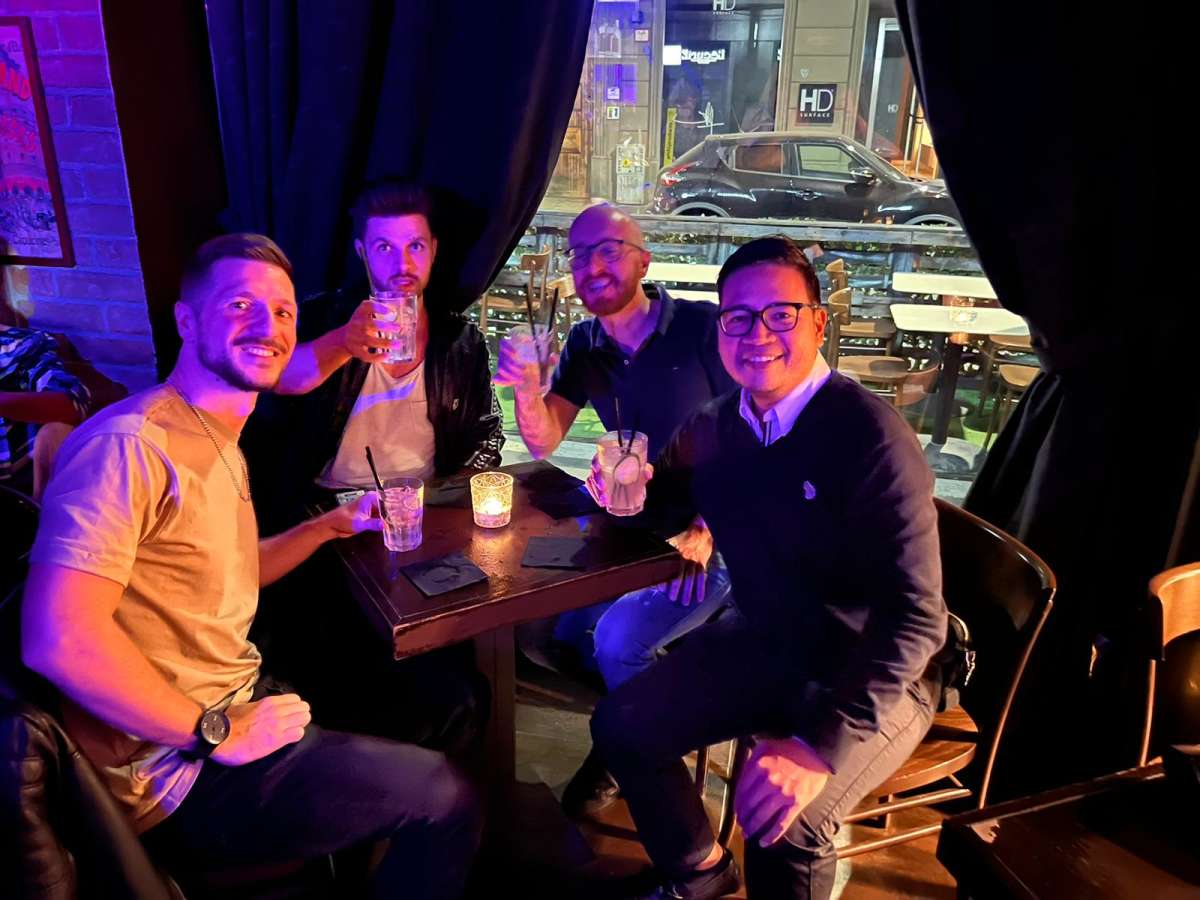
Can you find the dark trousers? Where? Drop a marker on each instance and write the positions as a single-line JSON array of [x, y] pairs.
[[329, 792], [728, 680]]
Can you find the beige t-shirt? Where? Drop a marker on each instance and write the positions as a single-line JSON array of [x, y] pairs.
[[140, 496], [391, 416]]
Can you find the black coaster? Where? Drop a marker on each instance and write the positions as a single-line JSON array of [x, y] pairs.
[[438, 576], [555, 553], [572, 502]]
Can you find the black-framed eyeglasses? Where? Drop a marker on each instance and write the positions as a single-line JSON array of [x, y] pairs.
[[609, 250], [736, 321]]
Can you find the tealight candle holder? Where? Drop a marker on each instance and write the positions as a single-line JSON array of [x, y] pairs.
[[491, 499]]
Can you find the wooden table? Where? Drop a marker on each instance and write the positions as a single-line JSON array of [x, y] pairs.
[[622, 560], [952, 285], [952, 320], [1124, 836]]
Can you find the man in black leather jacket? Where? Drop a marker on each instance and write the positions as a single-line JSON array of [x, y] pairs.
[[430, 416], [445, 392]]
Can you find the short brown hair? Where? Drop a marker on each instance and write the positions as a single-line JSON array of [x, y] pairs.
[[390, 198], [781, 251], [242, 245]]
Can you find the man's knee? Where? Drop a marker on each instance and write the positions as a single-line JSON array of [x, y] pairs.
[[451, 802], [618, 637]]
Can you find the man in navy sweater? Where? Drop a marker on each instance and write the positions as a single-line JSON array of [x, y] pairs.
[[820, 499]]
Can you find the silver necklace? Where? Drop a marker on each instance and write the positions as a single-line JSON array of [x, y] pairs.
[[245, 498]]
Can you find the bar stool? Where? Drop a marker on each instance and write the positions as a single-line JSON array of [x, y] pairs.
[[1014, 381]]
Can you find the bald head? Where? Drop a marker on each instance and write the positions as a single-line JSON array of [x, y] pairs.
[[608, 258], [606, 219]]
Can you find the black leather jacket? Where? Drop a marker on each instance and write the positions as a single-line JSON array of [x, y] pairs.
[[289, 440]]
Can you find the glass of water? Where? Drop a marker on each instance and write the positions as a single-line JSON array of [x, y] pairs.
[[400, 324], [533, 346], [404, 503], [622, 465]]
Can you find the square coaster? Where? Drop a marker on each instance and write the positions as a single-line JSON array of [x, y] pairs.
[[439, 576]]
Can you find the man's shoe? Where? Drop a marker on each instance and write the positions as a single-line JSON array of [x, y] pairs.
[[721, 880], [590, 789]]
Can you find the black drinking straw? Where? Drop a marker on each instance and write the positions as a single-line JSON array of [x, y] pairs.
[[378, 484], [620, 430]]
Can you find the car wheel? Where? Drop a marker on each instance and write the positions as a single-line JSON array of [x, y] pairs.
[[941, 221], [700, 211]]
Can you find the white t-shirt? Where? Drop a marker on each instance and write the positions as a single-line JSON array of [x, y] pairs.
[[391, 416]]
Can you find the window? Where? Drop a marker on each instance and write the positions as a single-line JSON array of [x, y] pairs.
[[697, 117], [768, 158], [826, 161]]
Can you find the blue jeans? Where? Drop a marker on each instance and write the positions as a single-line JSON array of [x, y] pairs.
[[625, 636]]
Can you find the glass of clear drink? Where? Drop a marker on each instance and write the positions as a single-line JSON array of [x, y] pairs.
[[404, 503], [622, 465], [533, 346], [400, 324]]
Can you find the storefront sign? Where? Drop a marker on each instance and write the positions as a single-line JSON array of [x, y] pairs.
[[703, 57], [815, 104], [631, 173], [724, 6], [612, 93]]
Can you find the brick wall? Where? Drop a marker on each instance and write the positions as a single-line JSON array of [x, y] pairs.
[[100, 303]]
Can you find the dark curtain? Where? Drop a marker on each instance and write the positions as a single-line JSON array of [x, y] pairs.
[[471, 99], [1062, 194]]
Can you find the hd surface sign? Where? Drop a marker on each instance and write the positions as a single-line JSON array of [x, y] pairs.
[[815, 104]]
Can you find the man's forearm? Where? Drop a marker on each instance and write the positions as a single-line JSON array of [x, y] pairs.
[[38, 407], [280, 554], [539, 430], [313, 362], [100, 669]]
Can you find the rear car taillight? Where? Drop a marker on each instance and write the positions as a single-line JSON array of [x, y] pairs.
[[674, 175]]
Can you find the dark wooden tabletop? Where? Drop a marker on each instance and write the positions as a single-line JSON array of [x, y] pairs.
[[1126, 835], [618, 560]]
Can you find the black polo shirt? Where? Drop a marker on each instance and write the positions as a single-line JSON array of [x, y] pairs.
[[675, 371]]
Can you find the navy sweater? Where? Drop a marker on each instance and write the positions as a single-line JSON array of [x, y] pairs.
[[830, 536]]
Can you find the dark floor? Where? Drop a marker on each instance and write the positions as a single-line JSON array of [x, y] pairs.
[[551, 859]]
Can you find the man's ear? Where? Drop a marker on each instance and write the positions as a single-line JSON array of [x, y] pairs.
[[185, 321], [820, 320]]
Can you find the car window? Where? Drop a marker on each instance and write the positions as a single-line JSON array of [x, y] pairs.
[[826, 161], [760, 157]]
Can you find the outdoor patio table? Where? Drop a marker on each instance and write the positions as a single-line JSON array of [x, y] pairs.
[[951, 320]]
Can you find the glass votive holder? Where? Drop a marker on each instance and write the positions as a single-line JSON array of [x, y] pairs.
[[491, 499]]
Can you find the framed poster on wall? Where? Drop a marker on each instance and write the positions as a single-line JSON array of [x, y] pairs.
[[33, 224]]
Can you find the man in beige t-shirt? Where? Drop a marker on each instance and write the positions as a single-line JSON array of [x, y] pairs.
[[144, 583]]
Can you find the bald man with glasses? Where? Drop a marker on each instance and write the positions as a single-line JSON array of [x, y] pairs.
[[656, 357]]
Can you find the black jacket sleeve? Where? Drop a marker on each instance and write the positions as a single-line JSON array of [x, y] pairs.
[[483, 419]]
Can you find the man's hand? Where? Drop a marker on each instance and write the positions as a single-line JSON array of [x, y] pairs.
[[522, 376], [259, 729], [360, 336], [782, 776], [354, 517], [595, 481], [695, 545]]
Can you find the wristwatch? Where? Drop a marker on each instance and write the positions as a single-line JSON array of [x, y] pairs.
[[211, 730]]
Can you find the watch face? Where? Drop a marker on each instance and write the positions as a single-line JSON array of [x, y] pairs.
[[214, 726]]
